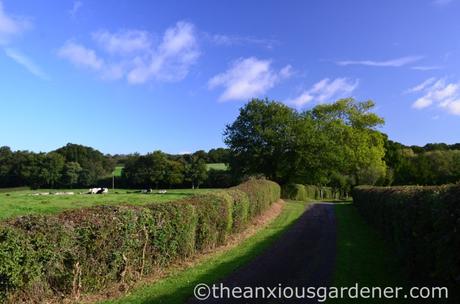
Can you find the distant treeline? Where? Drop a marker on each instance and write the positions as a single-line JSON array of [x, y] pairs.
[[79, 166], [432, 164], [334, 145]]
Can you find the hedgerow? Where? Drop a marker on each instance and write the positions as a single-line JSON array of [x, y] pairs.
[[424, 225], [301, 192], [295, 192], [261, 194], [87, 250]]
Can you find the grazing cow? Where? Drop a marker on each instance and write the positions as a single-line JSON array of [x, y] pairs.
[[98, 191], [162, 191]]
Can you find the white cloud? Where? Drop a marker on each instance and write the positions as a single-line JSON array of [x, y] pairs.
[[439, 93], [75, 8], [286, 72], [422, 85], [397, 62], [123, 42], [173, 58], [247, 78], [130, 54], [80, 56], [325, 90], [26, 63], [11, 25]]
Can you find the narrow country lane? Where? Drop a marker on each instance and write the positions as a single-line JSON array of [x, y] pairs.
[[303, 256]]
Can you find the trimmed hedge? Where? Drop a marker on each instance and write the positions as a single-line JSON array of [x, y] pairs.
[[300, 192], [260, 193], [423, 223], [86, 250], [295, 192]]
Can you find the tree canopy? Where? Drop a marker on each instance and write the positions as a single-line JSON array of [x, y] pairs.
[[337, 141]]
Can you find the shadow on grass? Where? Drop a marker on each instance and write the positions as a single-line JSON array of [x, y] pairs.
[[364, 257]]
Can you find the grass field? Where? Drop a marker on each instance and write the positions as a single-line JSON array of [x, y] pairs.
[[117, 171], [22, 202], [217, 166], [178, 287]]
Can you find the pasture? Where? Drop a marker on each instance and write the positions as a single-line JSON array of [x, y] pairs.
[[217, 166], [117, 171], [23, 202]]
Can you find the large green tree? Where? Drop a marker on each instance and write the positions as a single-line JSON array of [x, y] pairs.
[[260, 137], [337, 141]]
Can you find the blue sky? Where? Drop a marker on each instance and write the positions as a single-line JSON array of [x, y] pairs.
[[137, 76]]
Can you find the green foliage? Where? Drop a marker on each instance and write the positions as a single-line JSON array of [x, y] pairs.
[[261, 194], [67, 166], [240, 209], [295, 192], [195, 171], [311, 191], [312, 147], [86, 250], [308, 192], [423, 224], [71, 173], [257, 138]]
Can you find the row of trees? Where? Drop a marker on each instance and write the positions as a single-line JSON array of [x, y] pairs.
[[68, 166], [159, 169], [80, 166], [414, 165]]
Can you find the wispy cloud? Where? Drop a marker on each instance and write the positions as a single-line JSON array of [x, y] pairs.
[[130, 54], [247, 78], [26, 63], [325, 90], [442, 2], [123, 42], [80, 56], [232, 40], [440, 93], [426, 67], [422, 85], [11, 25], [397, 62], [75, 8]]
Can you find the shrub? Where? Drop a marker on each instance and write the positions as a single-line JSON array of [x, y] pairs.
[[424, 225], [311, 191], [295, 192], [86, 250]]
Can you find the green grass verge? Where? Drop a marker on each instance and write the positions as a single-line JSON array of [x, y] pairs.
[[178, 287], [23, 202], [362, 256], [217, 166]]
